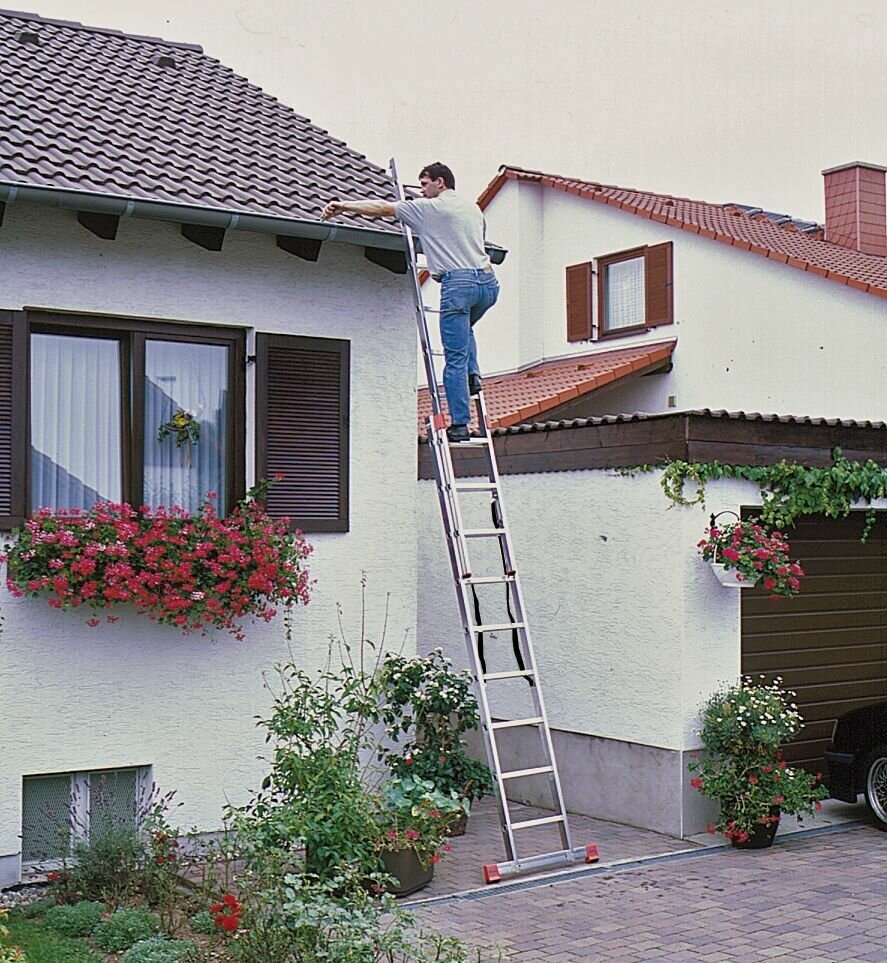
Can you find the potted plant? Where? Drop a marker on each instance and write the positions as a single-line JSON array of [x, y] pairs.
[[414, 818], [426, 707], [744, 553], [743, 727]]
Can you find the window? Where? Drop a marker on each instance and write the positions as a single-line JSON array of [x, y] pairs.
[[59, 809], [634, 291], [302, 400], [99, 391], [83, 399]]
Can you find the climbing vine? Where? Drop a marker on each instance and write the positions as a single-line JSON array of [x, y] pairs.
[[788, 490]]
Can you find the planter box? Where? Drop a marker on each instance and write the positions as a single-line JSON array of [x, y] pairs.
[[410, 874], [727, 577]]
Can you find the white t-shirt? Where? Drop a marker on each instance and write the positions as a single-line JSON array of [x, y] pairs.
[[451, 229]]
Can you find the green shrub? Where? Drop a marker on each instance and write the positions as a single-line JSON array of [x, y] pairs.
[[202, 922], [78, 919], [37, 908], [125, 928], [158, 949]]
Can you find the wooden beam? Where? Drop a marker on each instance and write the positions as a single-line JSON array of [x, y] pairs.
[[304, 247], [209, 238], [102, 225], [394, 261]]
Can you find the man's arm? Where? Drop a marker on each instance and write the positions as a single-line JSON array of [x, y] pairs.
[[367, 208]]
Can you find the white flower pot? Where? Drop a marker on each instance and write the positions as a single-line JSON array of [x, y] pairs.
[[728, 577]]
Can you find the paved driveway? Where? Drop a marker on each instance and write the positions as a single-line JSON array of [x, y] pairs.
[[818, 898]]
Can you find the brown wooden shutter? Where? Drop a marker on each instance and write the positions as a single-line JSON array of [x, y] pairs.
[[658, 286], [13, 412], [579, 318], [302, 428]]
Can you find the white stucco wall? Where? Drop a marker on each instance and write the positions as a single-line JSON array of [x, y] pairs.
[[631, 629], [753, 334], [133, 693]]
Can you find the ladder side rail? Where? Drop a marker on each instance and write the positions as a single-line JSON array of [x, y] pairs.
[[529, 651], [444, 476], [421, 320]]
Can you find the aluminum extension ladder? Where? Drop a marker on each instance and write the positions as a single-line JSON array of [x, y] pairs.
[[450, 489]]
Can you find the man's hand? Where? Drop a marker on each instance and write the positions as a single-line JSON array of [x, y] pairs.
[[332, 209]]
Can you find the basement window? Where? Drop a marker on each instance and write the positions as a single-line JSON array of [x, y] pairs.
[[61, 809]]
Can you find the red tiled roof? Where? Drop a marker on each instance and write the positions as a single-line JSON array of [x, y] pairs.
[[531, 392], [95, 110], [726, 223]]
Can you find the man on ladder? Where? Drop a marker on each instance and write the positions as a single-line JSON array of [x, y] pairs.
[[452, 233]]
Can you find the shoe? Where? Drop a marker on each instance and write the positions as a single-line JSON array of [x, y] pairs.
[[475, 385], [456, 433]]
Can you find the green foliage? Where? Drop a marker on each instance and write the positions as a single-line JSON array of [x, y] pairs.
[[313, 796], [416, 815], [42, 946], [77, 919], [158, 949], [202, 922], [9, 954], [124, 928], [338, 921], [37, 908], [788, 490], [429, 704], [106, 866], [743, 727]]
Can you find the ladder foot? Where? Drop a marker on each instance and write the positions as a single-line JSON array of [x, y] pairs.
[[491, 873], [591, 854]]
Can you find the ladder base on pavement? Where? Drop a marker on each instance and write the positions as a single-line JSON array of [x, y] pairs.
[[493, 872]]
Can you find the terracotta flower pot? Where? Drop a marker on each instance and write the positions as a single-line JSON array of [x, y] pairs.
[[405, 867]]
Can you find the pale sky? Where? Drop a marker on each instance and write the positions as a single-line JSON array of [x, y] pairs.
[[744, 100]]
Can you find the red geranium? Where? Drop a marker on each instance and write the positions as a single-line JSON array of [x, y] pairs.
[[226, 915], [192, 571]]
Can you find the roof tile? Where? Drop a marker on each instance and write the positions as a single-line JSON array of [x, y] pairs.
[[796, 243]]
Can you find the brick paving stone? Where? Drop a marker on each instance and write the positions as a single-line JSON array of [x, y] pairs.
[[809, 899]]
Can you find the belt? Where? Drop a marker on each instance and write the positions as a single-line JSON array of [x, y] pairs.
[[475, 271]]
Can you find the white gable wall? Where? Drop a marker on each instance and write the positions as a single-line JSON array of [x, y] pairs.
[[133, 693], [753, 334]]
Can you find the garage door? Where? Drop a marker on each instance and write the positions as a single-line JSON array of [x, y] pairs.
[[830, 643]]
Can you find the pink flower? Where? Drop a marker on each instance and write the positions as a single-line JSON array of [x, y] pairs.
[[696, 783]]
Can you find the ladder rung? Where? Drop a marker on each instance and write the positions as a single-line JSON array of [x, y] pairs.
[[513, 674], [482, 442], [488, 579], [511, 723], [476, 487], [544, 821], [500, 627], [483, 533], [430, 310], [519, 773]]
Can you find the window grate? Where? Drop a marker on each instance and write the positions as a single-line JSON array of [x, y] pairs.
[[46, 817]]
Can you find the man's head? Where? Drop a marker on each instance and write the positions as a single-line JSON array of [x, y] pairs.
[[436, 178]]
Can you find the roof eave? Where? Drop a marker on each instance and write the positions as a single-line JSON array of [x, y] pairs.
[[205, 216]]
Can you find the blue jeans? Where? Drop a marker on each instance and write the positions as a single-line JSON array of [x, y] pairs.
[[466, 295]]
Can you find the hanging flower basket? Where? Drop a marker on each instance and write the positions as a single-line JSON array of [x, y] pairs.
[[729, 577]]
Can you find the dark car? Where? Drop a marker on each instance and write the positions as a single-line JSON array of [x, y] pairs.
[[857, 759]]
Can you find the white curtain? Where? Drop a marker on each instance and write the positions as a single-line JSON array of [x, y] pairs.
[[625, 294], [75, 421], [191, 378]]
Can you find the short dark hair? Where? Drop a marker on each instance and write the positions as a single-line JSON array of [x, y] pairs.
[[435, 170]]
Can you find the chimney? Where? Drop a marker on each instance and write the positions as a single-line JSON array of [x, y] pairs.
[[856, 207]]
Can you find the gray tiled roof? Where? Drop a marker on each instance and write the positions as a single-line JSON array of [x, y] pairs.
[[93, 110]]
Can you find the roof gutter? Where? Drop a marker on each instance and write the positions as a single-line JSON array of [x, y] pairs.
[[204, 216]]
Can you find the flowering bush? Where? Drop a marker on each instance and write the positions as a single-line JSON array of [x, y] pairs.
[[431, 705], [191, 571], [755, 554], [415, 815], [743, 727]]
